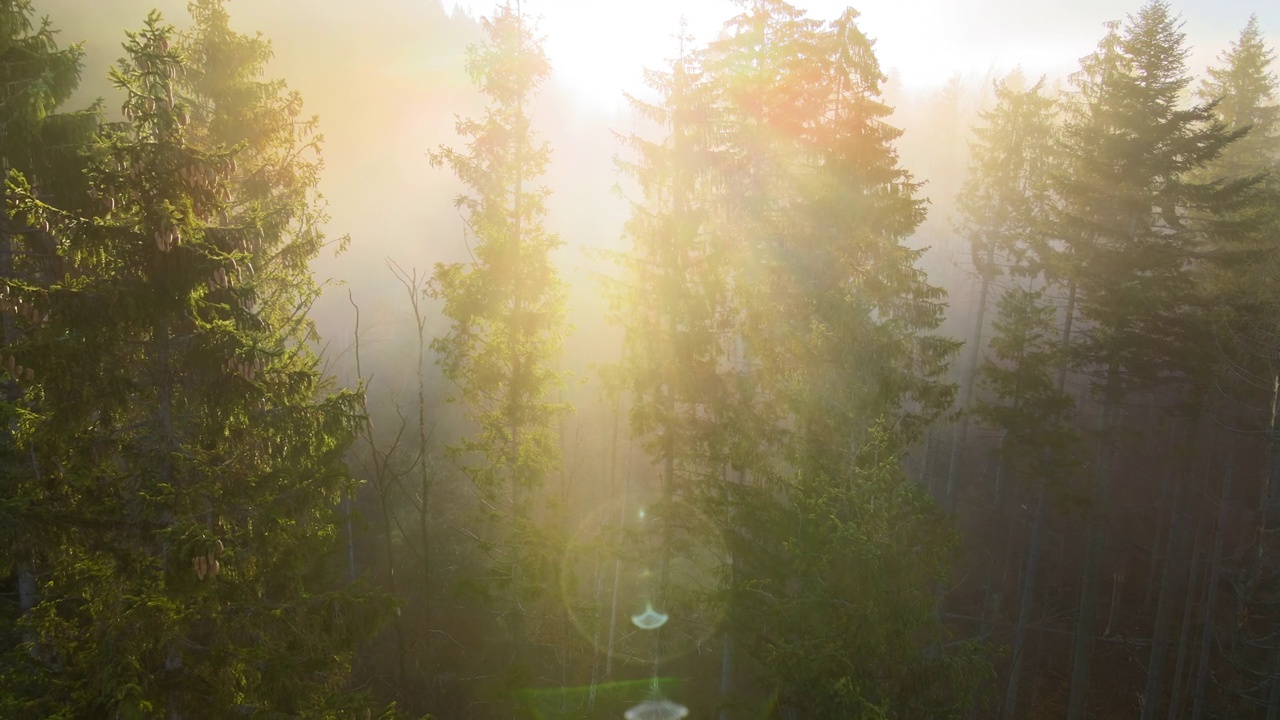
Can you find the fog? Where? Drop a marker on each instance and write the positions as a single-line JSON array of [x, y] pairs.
[[386, 79]]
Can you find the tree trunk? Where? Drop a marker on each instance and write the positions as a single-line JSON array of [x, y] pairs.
[[995, 579], [960, 431], [1024, 605], [1082, 641], [1161, 539], [1184, 639], [622, 525], [1211, 592], [1175, 569]]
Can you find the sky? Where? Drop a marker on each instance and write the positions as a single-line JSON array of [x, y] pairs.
[[599, 46]]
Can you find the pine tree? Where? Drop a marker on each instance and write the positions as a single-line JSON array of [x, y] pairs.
[[672, 303], [1240, 283], [506, 310], [35, 136], [1244, 94], [837, 370], [1002, 207], [1129, 222], [1038, 444], [187, 457]]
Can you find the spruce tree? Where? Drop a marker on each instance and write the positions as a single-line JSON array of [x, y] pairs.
[[672, 303], [837, 370], [1240, 282], [36, 136], [1129, 221], [1038, 443], [506, 313], [1245, 96], [1002, 208], [187, 458]]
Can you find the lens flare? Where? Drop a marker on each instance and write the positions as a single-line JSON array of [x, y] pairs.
[[650, 619]]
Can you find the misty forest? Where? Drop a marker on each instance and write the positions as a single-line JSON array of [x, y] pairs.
[[783, 391]]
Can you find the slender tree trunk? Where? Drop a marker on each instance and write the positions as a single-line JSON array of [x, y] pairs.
[[995, 579], [925, 463], [728, 666], [381, 482], [1082, 641], [389, 547], [1269, 514], [1172, 578], [1184, 638], [1161, 538], [1024, 604], [425, 479], [1211, 592], [351, 539], [1036, 543], [622, 524], [960, 431]]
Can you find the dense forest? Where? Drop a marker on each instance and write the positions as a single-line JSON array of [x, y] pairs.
[[798, 436]]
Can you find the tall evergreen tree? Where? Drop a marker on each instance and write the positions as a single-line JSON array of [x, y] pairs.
[[506, 310], [673, 305], [186, 457], [39, 77], [836, 371], [1241, 282], [1130, 202], [230, 102], [1037, 444], [1002, 208], [37, 137], [1245, 96]]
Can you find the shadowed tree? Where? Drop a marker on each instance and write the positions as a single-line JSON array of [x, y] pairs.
[[187, 455], [1130, 204]]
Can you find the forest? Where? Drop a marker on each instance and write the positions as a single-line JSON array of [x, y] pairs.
[[782, 393]]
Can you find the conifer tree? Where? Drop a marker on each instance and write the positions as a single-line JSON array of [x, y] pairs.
[[1245, 96], [35, 136], [44, 143], [1037, 441], [672, 303], [506, 310], [187, 457], [1240, 282], [837, 370], [275, 183], [1130, 203], [1002, 208]]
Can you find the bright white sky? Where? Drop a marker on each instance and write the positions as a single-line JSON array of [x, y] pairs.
[[599, 46]]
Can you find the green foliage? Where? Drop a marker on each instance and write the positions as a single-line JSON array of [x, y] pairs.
[[1133, 210], [1006, 198], [1031, 411], [1244, 94], [278, 162], [39, 78], [506, 311], [506, 308], [779, 333], [835, 317], [183, 462], [836, 605]]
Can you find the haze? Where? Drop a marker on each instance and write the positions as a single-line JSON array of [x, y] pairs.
[[973, 421]]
